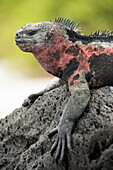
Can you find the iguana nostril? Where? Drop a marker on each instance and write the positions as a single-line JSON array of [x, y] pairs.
[[17, 34]]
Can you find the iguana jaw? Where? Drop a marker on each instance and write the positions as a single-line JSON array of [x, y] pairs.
[[24, 45]]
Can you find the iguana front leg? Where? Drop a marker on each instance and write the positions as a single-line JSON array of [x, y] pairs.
[[76, 105], [56, 82]]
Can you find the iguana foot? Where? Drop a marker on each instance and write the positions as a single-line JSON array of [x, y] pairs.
[[63, 140], [30, 99]]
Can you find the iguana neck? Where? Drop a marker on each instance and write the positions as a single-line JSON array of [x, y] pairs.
[[49, 56]]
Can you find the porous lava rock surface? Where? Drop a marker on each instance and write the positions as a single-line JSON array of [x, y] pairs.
[[24, 142]]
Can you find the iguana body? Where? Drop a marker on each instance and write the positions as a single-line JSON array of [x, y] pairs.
[[81, 61]]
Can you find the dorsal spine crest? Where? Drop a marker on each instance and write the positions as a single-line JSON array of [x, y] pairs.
[[102, 33], [67, 22]]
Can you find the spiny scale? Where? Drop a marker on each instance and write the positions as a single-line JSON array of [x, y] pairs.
[[67, 22], [105, 33]]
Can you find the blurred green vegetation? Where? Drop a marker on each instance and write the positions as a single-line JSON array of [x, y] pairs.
[[93, 15]]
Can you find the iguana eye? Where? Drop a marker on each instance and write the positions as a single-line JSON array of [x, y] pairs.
[[48, 36], [33, 32]]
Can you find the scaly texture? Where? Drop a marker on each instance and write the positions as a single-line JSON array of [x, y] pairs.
[[81, 61]]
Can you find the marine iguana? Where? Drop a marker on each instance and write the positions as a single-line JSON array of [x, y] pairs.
[[82, 61]]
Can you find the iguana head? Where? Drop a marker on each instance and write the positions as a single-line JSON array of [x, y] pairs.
[[47, 41], [31, 37]]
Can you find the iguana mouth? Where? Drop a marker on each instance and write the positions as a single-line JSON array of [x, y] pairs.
[[20, 41], [24, 45]]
